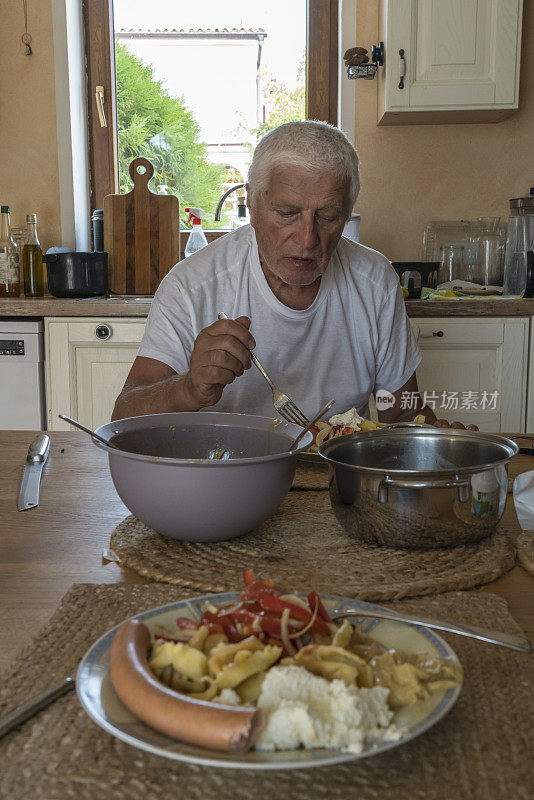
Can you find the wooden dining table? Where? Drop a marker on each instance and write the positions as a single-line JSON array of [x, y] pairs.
[[44, 550]]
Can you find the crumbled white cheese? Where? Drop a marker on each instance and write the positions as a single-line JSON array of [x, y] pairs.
[[350, 419], [306, 710], [228, 698]]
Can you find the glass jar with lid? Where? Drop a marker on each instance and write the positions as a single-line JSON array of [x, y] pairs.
[[519, 258]]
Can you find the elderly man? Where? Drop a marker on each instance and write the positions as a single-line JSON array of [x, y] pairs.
[[325, 315]]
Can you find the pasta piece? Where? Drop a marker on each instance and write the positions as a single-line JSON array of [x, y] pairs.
[[224, 654], [250, 690], [213, 641], [247, 664], [343, 635], [199, 637]]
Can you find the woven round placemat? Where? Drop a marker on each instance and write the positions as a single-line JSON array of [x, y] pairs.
[[303, 545], [525, 551], [310, 476], [482, 749]]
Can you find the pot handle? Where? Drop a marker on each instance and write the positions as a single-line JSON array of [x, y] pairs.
[[463, 485]]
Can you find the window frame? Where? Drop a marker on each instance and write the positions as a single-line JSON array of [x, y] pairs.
[[321, 96]]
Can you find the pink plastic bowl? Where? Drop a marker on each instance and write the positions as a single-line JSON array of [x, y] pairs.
[[164, 475]]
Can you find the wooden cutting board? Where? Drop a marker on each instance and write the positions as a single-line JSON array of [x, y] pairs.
[[141, 234]]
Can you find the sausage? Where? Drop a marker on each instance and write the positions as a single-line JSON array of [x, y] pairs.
[[181, 717]]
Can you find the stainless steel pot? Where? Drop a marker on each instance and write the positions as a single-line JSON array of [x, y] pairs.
[[418, 487]]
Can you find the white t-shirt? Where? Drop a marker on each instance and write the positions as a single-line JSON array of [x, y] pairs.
[[354, 339]]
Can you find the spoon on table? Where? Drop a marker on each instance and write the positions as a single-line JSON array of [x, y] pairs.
[[88, 431], [311, 424]]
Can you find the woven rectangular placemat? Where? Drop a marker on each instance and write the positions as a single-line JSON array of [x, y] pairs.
[[481, 750]]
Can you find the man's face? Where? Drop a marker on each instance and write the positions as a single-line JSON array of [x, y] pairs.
[[298, 221]]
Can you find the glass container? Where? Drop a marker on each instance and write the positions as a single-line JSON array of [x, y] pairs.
[[19, 237], [488, 252], [452, 267]]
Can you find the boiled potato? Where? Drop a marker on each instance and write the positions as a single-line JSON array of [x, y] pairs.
[[184, 659]]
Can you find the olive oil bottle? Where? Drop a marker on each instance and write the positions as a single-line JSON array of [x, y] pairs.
[[32, 261]]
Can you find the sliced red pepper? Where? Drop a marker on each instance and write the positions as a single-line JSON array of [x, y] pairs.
[[314, 601], [215, 627], [270, 623], [248, 577], [297, 612], [230, 629], [212, 621], [257, 590], [243, 615], [186, 624]]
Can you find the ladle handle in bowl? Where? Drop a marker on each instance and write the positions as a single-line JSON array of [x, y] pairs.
[[88, 431]]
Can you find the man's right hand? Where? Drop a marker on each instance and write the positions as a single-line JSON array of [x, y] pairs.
[[220, 355]]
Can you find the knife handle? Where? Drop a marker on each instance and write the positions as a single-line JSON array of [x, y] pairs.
[[26, 710], [38, 449]]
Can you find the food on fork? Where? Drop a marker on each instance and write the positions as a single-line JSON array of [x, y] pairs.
[[270, 671]]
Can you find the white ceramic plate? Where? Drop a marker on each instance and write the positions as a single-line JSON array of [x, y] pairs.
[[98, 698]]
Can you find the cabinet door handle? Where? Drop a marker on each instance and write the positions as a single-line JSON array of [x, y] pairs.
[[440, 334], [99, 96], [103, 332], [402, 69]]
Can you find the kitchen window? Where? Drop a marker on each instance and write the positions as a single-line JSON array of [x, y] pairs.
[[157, 55]]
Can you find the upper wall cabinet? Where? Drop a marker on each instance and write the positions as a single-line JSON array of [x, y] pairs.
[[449, 60]]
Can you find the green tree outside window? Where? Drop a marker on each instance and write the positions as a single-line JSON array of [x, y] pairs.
[[161, 128]]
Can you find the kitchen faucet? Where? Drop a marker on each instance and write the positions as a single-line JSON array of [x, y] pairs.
[[223, 198]]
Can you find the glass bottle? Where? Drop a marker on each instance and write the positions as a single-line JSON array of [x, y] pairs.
[[9, 260], [19, 237], [32, 259]]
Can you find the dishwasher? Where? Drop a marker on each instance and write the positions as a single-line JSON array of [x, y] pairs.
[[22, 387]]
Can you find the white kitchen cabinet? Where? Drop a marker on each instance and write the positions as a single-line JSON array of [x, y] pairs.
[[464, 358], [85, 373], [530, 389], [460, 57]]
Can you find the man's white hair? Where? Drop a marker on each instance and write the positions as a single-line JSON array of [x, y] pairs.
[[312, 145]]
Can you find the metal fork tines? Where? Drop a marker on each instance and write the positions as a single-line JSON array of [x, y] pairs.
[[282, 403]]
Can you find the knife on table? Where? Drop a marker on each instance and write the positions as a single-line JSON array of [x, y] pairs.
[[31, 475]]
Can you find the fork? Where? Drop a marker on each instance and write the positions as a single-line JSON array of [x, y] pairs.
[[282, 403], [502, 638]]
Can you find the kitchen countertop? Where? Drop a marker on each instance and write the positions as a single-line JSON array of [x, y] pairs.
[[45, 550], [121, 306], [118, 306]]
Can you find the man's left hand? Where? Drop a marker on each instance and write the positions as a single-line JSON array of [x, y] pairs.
[[444, 423]]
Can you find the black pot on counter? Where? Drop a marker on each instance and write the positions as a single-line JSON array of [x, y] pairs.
[[77, 274]]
